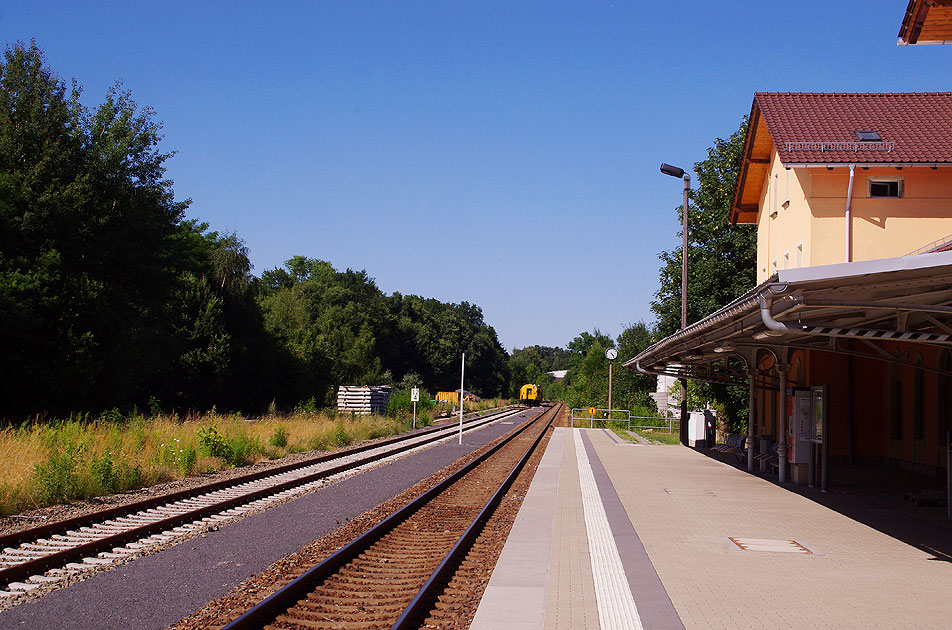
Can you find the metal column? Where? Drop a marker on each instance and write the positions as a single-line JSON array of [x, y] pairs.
[[782, 369]]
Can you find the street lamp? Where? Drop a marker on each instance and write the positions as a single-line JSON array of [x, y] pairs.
[[674, 171]]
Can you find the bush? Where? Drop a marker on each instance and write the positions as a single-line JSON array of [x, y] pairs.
[[401, 405], [279, 438], [235, 451], [341, 436], [241, 449], [306, 406], [213, 443], [57, 476], [104, 473]]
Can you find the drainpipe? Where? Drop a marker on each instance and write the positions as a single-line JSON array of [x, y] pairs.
[[849, 218], [766, 301]]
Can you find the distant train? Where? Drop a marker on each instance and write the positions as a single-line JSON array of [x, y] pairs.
[[530, 395]]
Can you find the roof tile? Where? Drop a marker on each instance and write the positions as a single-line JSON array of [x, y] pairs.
[[812, 128]]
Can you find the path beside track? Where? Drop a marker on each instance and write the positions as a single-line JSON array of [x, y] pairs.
[[157, 590]]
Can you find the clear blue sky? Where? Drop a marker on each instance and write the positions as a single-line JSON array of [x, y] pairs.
[[501, 153]]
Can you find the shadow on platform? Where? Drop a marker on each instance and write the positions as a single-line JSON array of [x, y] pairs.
[[873, 495]]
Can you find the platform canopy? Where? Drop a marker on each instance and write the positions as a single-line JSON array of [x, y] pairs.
[[906, 299]]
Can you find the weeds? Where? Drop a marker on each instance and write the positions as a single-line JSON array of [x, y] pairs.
[[81, 457], [57, 476], [279, 439], [213, 443], [341, 437]]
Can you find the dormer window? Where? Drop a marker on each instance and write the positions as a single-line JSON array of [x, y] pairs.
[[867, 136]]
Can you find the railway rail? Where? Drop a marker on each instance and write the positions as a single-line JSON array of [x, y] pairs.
[[401, 573], [41, 557]]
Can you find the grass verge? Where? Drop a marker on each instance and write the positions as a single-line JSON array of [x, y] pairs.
[[46, 463]]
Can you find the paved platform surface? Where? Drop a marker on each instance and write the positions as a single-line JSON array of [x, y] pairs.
[[801, 559]]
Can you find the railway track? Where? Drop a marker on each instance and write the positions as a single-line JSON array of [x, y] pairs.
[[43, 557], [416, 566]]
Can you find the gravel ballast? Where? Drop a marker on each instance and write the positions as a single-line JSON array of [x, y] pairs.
[[157, 590]]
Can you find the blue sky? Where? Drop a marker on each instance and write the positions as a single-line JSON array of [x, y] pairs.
[[505, 153]]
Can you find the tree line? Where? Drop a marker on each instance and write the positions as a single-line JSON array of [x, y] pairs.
[[110, 297]]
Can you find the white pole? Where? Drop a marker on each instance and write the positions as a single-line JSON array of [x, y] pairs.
[[462, 371], [414, 414]]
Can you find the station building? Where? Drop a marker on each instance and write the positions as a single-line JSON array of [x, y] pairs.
[[845, 343]]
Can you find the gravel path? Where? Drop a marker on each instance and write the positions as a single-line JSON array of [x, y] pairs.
[[157, 590]]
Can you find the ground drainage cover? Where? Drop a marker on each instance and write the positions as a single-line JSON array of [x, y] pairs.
[[766, 544]]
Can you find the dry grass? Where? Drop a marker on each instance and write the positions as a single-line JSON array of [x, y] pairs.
[[54, 462]]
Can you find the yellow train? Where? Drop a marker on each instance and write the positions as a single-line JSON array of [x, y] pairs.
[[530, 394]]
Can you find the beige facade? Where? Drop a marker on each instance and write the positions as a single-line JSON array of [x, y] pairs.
[[801, 217]]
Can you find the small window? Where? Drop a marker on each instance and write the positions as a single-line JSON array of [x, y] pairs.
[[867, 136], [885, 188]]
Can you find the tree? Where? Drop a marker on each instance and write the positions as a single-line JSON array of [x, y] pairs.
[[631, 388], [722, 257], [722, 260], [87, 225]]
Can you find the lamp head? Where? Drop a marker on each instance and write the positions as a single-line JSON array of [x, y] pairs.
[[673, 171]]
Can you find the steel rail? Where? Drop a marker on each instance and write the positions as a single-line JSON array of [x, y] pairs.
[[426, 594], [267, 610], [57, 559]]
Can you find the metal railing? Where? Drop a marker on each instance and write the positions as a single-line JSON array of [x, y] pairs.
[[669, 425], [604, 416]]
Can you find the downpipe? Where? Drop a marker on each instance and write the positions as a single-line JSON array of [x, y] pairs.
[[849, 215], [779, 328]]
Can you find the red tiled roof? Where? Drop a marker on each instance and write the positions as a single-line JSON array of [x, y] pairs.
[[919, 126]]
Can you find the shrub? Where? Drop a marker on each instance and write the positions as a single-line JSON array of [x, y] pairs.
[[213, 443], [279, 438], [104, 473], [112, 415], [241, 449], [341, 436], [306, 406], [185, 461], [155, 407], [57, 476], [400, 404]]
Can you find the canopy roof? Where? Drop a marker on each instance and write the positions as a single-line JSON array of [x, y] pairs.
[[906, 299]]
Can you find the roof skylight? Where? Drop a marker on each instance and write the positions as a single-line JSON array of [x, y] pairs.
[[867, 136]]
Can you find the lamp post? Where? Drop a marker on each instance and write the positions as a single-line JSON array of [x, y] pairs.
[[674, 171]]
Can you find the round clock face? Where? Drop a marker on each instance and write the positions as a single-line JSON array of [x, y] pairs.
[[611, 354]]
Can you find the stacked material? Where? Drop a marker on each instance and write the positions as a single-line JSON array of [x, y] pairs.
[[363, 399]]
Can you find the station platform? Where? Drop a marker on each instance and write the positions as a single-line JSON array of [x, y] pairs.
[[619, 535]]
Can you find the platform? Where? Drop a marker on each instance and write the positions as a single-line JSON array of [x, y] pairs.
[[620, 535]]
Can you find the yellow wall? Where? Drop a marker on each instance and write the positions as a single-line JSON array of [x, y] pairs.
[[779, 236], [815, 215]]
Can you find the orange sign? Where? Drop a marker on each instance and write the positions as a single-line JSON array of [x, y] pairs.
[[592, 411]]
